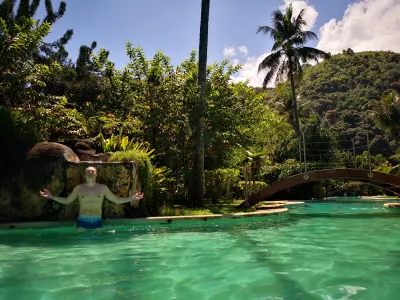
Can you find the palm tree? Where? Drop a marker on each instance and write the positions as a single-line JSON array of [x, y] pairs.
[[198, 179], [388, 114], [288, 53]]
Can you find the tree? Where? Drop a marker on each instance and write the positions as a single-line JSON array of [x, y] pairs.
[[388, 114], [198, 178], [20, 76], [54, 51], [288, 53]]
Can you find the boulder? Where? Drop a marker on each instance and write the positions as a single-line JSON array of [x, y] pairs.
[[45, 162], [85, 146]]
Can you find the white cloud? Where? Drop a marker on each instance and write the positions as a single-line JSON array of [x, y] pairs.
[[249, 71], [229, 51], [243, 49], [235, 62], [366, 25], [310, 15]]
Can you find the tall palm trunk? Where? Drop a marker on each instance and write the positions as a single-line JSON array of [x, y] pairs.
[[198, 178], [296, 116]]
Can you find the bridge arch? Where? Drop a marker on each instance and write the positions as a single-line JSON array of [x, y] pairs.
[[319, 175]]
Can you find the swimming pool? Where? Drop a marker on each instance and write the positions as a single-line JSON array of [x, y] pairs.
[[323, 250]]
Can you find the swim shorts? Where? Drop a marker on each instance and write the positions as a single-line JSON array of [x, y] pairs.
[[89, 222]]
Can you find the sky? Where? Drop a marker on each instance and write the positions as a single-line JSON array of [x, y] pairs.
[[173, 26]]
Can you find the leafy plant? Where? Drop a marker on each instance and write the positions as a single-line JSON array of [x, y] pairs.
[[116, 143]]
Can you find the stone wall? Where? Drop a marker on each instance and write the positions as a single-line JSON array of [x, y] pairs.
[[57, 168]]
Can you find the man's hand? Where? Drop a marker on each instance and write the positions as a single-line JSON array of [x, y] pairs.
[[46, 194], [136, 199], [138, 196]]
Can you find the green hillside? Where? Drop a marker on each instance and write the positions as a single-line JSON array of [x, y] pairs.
[[342, 93]]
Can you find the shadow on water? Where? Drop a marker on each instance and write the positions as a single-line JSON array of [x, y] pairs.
[[291, 289]]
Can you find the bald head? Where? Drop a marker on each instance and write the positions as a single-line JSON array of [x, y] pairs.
[[91, 171]]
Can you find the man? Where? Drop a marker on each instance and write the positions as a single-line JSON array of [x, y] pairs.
[[91, 196]]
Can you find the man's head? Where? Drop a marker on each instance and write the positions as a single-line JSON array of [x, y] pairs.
[[90, 174]]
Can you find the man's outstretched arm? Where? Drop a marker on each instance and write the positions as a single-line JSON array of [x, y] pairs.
[[71, 197], [115, 199]]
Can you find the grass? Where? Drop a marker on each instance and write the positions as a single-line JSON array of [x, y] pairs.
[[209, 209]]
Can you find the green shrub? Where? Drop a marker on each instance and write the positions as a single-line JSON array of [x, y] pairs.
[[154, 180], [219, 183], [281, 171], [142, 159], [254, 187]]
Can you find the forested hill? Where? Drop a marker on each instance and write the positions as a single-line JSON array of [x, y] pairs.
[[343, 92]]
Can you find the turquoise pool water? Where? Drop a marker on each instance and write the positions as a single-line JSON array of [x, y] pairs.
[[320, 251]]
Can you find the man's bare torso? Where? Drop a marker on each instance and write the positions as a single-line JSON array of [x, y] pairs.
[[91, 199]]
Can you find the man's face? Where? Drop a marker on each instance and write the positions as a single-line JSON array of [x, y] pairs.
[[90, 172]]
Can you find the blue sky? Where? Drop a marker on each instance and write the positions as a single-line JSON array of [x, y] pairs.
[[172, 26]]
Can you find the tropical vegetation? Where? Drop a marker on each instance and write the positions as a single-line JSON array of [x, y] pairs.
[[150, 111]]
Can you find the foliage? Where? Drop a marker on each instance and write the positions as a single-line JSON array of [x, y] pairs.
[[117, 143], [20, 77], [146, 111], [155, 181], [272, 173], [219, 183], [388, 114], [141, 158], [344, 92], [254, 187], [27, 9], [17, 135]]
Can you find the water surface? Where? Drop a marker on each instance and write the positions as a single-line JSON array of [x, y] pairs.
[[331, 250]]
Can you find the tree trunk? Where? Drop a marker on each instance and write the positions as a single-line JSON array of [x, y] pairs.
[[198, 178], [296, 115]]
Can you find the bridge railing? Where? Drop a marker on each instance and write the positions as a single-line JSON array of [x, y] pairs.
[[321, 158]]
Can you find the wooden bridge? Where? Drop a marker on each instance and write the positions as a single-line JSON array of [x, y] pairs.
[[372, 177]]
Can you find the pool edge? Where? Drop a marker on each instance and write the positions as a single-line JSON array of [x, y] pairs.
[[147, 220]]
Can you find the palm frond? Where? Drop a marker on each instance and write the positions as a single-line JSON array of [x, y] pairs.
[[308, 53], [299, 22], [303, 37], [289, 13], [278, 20], [268, 77], [281, 76], [270, 61], [267, 30], [277, 16], [277, 45], [297, 68]]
